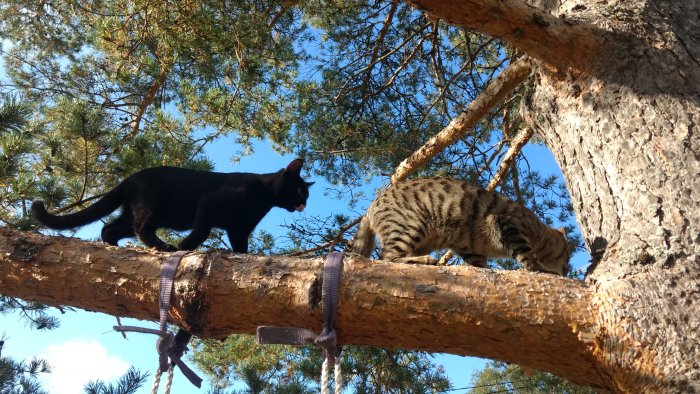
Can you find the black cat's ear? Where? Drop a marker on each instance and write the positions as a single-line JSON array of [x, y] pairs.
[[308, 184], [294, 168]]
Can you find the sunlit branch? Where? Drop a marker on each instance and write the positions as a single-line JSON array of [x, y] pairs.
[[377, 46], [492, 95], [337, 239], [515, 147]]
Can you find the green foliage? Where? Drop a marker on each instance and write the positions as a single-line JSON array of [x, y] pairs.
[[498, 377], [33, 313], [16, 146], [18, 377], [385, 88], [277, 368], [13, 115], [131, 381]]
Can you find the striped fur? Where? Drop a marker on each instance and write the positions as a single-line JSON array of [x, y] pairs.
[[416, 217]]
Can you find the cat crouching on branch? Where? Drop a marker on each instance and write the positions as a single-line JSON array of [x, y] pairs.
[[182, 199], [415, 217]]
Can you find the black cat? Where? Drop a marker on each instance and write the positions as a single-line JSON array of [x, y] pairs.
[[181, 199]]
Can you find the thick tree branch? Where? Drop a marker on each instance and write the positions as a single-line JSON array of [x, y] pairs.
[[562, 43], [537, 320], [494, 93]]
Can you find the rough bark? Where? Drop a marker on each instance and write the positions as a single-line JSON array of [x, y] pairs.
[[624, 129], [565, 44], [459, 310]]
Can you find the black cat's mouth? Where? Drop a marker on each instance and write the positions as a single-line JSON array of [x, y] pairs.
[[300, 207]]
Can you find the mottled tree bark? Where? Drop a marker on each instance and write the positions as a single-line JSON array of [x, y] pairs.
[[539, 320], [623, 126]]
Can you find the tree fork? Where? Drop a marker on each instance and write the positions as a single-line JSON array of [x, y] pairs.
[[567, 45], [537, 320], [494, 93]]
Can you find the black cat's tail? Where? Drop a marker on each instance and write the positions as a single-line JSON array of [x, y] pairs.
[[103, 207]]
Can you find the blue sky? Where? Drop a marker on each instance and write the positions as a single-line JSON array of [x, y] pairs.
[[84, 347]]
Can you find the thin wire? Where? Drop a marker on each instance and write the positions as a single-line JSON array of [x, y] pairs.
[[487, 385], [512, 389]]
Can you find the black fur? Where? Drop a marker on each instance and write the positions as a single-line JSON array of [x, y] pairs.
[[182, 199]]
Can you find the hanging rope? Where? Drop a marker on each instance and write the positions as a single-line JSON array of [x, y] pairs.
[[170, 347], [327, 338]]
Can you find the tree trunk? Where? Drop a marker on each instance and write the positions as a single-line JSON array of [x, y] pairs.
[[622, 123]]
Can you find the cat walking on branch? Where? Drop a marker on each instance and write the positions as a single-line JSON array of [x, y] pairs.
[[182, 199], [415, 217]]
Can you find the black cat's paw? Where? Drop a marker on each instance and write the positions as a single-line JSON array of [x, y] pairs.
[[166, 248], [184, 245]]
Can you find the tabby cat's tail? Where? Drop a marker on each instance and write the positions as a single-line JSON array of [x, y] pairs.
[[363, 243], [103, 207]]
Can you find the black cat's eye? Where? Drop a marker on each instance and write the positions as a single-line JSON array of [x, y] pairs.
[[299, 191]]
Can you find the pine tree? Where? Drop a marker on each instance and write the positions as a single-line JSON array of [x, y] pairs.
[[19, 377], [498, 377], [126, 384]]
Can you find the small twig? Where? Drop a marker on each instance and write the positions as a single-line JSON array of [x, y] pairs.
[[284, 8], [494, 93], [79, 203], [337, 239], [319, 247], [378, 60], [147, 100]]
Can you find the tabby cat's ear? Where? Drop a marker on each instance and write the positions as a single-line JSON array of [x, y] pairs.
[[562, 230], [294, 168]]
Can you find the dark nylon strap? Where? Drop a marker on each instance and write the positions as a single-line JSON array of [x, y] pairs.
[[167, 345], [167, 277], [302, 336]]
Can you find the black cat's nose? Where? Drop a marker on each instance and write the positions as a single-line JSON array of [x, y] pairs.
[[300, 207]]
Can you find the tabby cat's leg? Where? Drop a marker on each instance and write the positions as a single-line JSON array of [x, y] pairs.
[[427, 260], [121, 227], [477, 260], [400, 248], [513, 240]]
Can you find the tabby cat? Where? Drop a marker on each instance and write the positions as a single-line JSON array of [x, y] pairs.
[[415, 217], [181, 199]]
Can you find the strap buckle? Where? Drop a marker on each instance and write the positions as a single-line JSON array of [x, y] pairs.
[[327, 339]]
